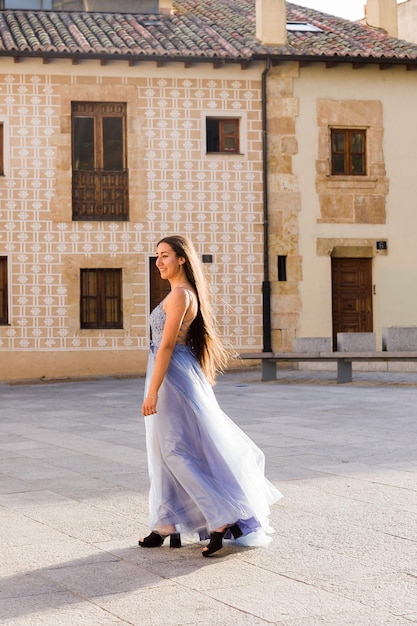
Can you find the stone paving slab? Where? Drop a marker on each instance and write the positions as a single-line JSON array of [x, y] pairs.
[[73, 501]]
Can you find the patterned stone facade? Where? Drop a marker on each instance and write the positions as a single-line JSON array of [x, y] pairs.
[[174, 186]]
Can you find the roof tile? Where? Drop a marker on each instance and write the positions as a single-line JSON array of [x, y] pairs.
[[199, 29]]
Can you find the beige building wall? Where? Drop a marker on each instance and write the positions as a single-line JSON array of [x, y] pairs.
[[407, 20], [358, 212], [174, 188]]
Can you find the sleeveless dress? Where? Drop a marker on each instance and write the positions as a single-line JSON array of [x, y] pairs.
[[204, 471]]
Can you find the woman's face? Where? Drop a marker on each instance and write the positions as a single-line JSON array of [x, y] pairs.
[[168, 263]]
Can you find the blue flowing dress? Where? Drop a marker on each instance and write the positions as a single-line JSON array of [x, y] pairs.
[[204, 471]]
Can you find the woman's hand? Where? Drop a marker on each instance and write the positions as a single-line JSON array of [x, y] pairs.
[[149, 404]]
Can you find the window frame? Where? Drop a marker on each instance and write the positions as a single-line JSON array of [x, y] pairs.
[[348, 154], [4, 291], [93, 309], [99, 194], [223, 135]]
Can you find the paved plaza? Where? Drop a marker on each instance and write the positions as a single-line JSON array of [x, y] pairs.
[[73, 502]]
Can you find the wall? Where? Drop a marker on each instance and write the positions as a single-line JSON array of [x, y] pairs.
[[284, 202], [392, 119], [174, 187], [407, 20]]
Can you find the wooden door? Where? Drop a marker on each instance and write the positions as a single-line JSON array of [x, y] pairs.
[[351, 296], [159, 288]]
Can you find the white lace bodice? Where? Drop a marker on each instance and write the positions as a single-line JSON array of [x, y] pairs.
[[157, 322]]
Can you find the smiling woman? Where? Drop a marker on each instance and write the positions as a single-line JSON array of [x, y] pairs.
[[198, 482]]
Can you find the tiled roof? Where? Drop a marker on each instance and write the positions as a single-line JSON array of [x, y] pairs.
[[197, 29]]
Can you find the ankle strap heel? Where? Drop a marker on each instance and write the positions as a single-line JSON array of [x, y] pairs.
[[175, 540], [236, 532], [155, 540]]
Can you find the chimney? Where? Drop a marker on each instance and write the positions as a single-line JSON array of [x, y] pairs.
[[165, 6], [271, 22], [382, 14]]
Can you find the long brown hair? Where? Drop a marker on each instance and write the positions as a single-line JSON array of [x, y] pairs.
[[203, 337]]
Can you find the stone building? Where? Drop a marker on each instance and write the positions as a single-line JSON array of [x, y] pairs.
[[278, 138]]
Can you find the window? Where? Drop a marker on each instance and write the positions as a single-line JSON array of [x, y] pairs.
[[282, 267], [303, 27], [101, 298], [3, 290], [348, 152], [99, 172], [222, 134], [26, 4], [1, 149]]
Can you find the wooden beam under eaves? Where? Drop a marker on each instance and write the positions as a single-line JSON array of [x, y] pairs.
[[245, 64], [103, 62], [17, 59], [75, 60], [384, 66], [160, 63], [357, 65], [411, 68], [46, 60], [218, 65]]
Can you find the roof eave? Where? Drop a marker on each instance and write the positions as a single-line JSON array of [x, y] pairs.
[[332, 60], [132, 59], [216, 61]]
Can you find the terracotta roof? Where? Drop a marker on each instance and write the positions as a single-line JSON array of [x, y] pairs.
[[197, 29]]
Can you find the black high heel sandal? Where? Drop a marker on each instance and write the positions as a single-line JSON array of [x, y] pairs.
[[216, 539], [155, 540], [235, 530], [215, 544]]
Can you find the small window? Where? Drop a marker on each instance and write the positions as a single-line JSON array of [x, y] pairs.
[[32, 5], [1, 149], [282, 267], [3, 290], [99, 171], [303, 27], [348, 152], [222, 135], [101, 298]]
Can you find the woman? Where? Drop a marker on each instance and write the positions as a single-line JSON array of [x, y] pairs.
[[206, 475]]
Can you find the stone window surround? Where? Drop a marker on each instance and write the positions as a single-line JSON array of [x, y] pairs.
[[61, 205], [351, 199], [72, 271], [241, 116]]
